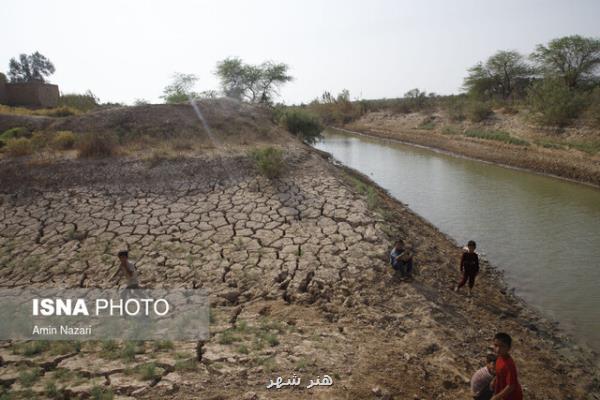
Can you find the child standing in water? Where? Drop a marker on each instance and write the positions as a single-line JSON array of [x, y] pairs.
[[469, 266]]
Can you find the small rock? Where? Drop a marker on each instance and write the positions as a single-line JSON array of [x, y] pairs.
[[250, 396]]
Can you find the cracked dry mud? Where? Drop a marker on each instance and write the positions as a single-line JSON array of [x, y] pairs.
[[296, 270]]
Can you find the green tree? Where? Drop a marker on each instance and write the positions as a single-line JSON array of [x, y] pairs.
[[503, 75], [575, 59], [302, 124], [415, 99], [554, 103], [180, 90], [30, 68], [252, 83]]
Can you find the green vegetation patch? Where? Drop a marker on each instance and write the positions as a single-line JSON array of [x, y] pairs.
[[269, 161], [302, 124], [499, 136]]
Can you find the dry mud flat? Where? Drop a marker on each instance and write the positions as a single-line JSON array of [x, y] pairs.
[[296, 269]]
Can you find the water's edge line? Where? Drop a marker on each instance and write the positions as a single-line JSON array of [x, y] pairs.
[[458, 155], [558, 334]]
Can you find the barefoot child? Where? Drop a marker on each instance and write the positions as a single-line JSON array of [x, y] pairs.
[[507, 385], [469, 266]]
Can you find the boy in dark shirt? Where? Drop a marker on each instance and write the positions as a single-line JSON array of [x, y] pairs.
[[506, 385], [469, 266]]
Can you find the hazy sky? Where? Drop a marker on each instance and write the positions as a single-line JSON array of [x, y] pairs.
[[125, 50]]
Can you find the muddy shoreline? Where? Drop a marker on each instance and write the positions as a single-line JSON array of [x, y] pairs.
[[300, 261]]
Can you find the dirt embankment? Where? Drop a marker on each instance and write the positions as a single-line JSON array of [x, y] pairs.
[[297, 275], [548, 152]]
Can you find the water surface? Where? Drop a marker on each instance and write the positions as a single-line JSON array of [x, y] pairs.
[[543, 232]]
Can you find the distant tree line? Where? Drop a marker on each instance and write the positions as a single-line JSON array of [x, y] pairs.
[[556, 83], [258, 84]]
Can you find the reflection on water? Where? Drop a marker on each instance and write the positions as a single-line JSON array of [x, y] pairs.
[[544, 232]]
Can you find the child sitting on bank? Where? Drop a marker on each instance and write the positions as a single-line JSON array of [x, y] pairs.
[[401, 260], [481, 380]]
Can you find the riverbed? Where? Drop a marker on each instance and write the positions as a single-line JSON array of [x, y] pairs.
[[543, 232]]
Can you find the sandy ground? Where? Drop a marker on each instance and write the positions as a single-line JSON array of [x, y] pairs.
[[567, 163]]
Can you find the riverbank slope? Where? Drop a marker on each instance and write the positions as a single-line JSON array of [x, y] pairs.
[[572, 153], [296, 271]]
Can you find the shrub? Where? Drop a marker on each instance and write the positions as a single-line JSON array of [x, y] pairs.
[[478, 111], [499, 136], [97, 146], [227, 337], [51, 390], [162, 345], [40, 140], [428, 123], [29, 377], [128, 352], [30, 349], [14, 133], [100, 393], [82, 102], [148, 371], [269, 161], [554, 103], [592, 112], [456, 110], [302, 124], [450, 130], [19, 147], [58, 112], [64, 140]]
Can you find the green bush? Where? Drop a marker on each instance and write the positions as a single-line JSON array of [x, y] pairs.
[[64, 140], [269, 161], [128, 352], [478, 111], [148, 371], [14, 133], [101, 393], [302, 124], [499, 136], [97, 145], [592, 111], [456, 110], [19, 147], [554, 103], [29, 377]]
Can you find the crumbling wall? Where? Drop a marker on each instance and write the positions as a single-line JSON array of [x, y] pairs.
[[3, 94], [32, 94]]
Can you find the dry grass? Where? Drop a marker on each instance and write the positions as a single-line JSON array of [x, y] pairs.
[[97, 145], [18, 147], [64, 140], [47, 112]]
